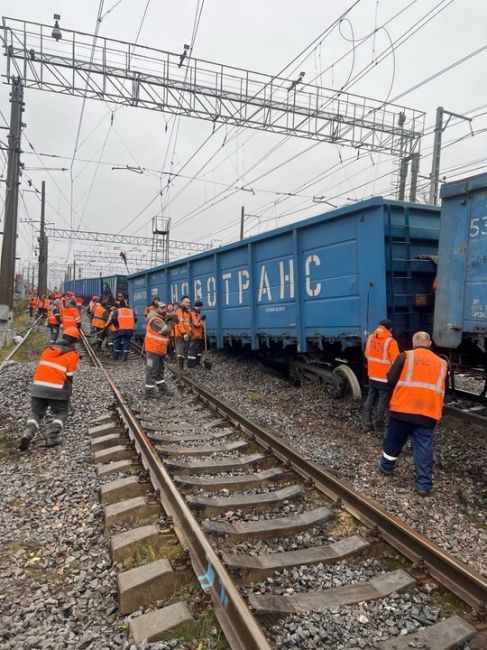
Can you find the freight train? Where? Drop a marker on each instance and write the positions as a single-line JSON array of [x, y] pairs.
[[106, 287], [310, 292]]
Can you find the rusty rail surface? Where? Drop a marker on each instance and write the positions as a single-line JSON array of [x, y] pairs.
[[449, 571], [239, 626]]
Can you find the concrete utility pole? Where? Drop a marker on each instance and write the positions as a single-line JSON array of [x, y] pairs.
[[42, 281], [7, 267], [435, 166], [242, 219]]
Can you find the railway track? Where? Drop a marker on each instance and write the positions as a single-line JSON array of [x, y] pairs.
[[226, 484]]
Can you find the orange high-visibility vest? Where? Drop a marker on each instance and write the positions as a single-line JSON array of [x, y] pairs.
[[98, 314], [54, 367], [421, 384], [51, 318], [183, 326], [126, 320], [197, 324], [381, 351], [70, 316], [155, 342]]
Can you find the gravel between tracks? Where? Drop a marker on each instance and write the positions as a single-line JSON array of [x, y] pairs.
[[58, 588], [329, 432]]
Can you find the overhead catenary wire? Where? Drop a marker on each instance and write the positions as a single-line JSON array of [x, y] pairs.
[[440, 6], [199, 210]]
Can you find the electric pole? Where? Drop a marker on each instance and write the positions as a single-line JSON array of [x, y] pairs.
[[435, 166], [42, 278], [7, 267], [242, 219]]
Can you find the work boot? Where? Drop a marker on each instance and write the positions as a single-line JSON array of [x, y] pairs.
[[180, 363], [161, 387], [379, 426], [367, 421], [150, 393], [53, 435], [28, 434]]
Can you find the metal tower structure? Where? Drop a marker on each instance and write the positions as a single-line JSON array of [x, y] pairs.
[[131, 240], [160, 240], [84, 65]]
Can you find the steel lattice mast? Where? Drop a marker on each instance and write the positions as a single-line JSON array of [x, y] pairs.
[[84, 65]]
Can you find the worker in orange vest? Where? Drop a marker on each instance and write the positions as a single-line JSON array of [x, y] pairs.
[[98, 323], [51, 388], [124, 320], [157, 337], [197, 333], [32, 305], [183, 332], [419, 379], [54, 319], [70, 314], [381, 351]]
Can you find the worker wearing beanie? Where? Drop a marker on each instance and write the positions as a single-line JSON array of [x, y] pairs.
[[51, 388], [197, 333]]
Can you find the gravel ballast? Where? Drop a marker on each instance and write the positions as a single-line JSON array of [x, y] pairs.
[[58, 588], [330, 432]]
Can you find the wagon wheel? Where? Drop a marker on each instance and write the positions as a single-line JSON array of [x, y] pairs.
[[351, 386]]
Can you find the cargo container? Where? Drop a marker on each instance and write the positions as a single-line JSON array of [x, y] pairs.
[[315, 288], [460, 318], [106, 287]]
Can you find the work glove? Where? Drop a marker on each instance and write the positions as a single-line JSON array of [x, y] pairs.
[[203, 317]]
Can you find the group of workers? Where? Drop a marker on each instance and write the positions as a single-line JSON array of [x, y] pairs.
[[411, 385], [168, 326]]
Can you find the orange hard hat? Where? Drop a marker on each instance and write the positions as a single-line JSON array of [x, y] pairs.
[[72, 331]]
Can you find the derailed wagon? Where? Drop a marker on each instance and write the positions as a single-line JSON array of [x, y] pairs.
[[313, 290]]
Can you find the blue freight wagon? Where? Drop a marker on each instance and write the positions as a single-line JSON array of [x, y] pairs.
[[106, 287], [314, 288], [460, 318]]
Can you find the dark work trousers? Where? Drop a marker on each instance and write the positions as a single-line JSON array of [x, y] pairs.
[[101, 334], [154, 370], [195, 351], [182, 348], [59, 408], [422, 443], [54, 330], [380, 396], [121, 345], [111, 336]]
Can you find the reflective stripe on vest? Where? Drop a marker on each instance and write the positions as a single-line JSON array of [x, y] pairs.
[[421, 385], [378, 366], [51, 317], [70, 316], [437, 387], [155, 342], [183, 326], [126, 320], [52, 368], [98, 314]]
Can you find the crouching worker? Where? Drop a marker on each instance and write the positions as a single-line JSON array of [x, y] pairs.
[[51, 387], [157, 338]]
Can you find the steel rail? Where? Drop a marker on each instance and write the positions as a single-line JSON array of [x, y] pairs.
[[465, 416], [239, 626], [467, 584], [20, 344]]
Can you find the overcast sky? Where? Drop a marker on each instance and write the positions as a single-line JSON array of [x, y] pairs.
[[264, 36]]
